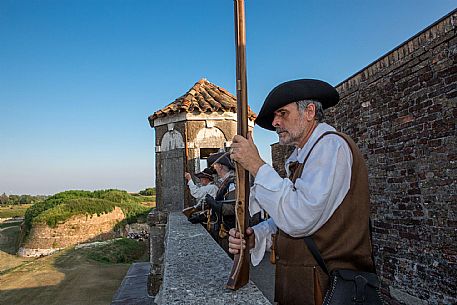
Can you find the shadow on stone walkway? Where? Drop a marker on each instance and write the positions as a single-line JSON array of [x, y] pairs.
[[263, 275], [134, 288]]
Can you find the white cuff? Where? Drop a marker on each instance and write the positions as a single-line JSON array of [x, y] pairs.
[[258, 251]]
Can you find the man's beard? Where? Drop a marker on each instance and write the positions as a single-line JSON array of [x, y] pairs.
[[289, 138]]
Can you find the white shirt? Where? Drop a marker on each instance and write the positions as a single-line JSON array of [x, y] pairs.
[[321, 188], [199, 192], [221, 180]]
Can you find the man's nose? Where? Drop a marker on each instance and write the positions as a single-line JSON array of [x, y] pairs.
[[275, 122]]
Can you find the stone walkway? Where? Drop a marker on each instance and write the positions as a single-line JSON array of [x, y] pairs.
[[263, 276], [196, 269]]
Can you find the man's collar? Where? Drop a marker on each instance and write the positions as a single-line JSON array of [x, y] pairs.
[[227, 174]]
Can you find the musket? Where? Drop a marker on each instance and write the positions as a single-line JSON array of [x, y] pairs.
[[239, 276]]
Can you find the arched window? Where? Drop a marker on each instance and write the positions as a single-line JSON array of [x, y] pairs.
[[208, 141], [171, 140]]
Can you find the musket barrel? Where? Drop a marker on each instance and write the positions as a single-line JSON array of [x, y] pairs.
[[239, 275]]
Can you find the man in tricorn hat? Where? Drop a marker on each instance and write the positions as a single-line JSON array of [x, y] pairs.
[[222, 206], [207, 187], [325, 195], [224, 168]]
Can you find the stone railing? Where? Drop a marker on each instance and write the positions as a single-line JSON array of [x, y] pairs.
[[195, 269]]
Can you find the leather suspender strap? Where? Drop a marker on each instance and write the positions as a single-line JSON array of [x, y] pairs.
[[300, 167], [315, 252], [308, 240]]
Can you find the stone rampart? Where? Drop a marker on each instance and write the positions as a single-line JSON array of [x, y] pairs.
[[44, 240]]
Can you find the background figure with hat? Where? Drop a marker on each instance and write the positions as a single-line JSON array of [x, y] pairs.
[[223, 204], [324, 197], [196, 213]]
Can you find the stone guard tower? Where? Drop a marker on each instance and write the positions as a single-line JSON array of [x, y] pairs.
[[188, 130]]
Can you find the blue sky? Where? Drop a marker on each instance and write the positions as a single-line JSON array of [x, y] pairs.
[[79, 78]]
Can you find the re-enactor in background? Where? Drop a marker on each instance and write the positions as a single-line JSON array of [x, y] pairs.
[[222, 209], [207, 187], [329, 200]]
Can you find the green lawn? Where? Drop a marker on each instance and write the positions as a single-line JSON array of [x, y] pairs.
[[149, 201], [13, 210]]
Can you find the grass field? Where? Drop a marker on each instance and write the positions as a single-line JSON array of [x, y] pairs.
[[68, 277], [13, 210], [149, 201]]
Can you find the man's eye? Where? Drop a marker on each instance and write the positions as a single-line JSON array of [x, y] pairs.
[[281, 114]]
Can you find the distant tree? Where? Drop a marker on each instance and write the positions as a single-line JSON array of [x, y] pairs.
[[40, 198], [13, 199], [151, 191], [3, 199], [26, 199]]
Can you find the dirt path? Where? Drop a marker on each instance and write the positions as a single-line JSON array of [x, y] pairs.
[[64, 278]]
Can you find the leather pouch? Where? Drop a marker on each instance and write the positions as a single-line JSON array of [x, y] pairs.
[[353, 287]]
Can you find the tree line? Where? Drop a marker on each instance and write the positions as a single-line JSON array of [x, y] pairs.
[[30, 199], [20, 199]]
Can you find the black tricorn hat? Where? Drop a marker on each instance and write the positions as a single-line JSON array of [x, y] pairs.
[[206, 173], [222, 158], [294, 91]]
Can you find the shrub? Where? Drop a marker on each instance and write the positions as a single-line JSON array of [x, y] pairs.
[[62, 206], [148, 192]]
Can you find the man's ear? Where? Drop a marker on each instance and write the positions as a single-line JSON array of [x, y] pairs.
[[310, 112]]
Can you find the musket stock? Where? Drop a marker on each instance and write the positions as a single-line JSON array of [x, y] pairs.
[[188, 211], [239, 275]]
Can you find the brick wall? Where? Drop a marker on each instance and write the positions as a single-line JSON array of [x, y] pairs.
[[401, 111]]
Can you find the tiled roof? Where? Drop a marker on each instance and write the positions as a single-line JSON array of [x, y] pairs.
[[203, 97]]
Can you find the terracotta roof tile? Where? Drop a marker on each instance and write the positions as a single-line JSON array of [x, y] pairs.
[[203, 97]]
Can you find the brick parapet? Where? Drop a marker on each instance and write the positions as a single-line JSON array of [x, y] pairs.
[[402, 112], [437, 33]]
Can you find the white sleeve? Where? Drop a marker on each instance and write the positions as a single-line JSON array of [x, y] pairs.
[[195, 191], [324, 183], [213, 190], [262, 234]]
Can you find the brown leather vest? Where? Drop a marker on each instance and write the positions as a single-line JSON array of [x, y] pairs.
[[344, 241]]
